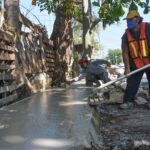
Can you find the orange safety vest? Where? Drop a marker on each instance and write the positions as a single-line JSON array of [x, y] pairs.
[[138, 49]]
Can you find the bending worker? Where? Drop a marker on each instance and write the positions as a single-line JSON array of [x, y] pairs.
[[93, 71], [136, 54]]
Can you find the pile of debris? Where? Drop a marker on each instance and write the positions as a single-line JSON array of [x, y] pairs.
[[123, 129]]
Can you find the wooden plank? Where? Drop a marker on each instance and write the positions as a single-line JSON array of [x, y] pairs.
[[9, 88], [7, 77], [50, 69], [49, 52], [46, 53], [7, 67], [35, 28], [50, 56], [7, 48], [50, 65], [8, 99], [7, 57], [50, 60], [6, 37]]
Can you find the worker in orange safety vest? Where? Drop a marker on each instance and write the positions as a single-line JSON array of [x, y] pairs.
[[136, 54]]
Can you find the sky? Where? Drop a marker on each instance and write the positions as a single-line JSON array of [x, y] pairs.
[[31, 11], [110, 38]]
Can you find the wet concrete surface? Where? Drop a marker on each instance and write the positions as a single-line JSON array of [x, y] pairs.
[[58, 119]]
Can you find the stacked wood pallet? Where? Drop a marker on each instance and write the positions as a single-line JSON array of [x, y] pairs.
[[7, 69], [30, 54], [33, 56], [36, 54], [50, 58]]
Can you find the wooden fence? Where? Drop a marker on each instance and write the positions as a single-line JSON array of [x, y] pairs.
[[7, 69], [34, 56]]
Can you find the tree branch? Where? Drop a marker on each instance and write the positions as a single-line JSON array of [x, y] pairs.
[[35, 28], [94, 23]]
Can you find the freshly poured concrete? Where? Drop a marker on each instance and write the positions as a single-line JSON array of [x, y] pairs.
[[58, 119]]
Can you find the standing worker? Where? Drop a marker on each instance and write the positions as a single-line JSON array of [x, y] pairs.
[[136, 54], [93, 71]]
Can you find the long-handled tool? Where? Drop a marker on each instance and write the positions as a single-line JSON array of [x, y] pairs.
[[124, 76], [95, 96]]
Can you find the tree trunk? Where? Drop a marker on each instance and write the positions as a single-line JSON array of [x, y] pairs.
[[86, 27], [61, 41], [12, 14]]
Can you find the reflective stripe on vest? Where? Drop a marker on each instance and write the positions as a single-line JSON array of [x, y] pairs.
[[138, 49], [133, 46]]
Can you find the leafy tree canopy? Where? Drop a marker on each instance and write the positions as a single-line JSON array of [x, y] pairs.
[[114, 56], [110, 11], [70, 7]]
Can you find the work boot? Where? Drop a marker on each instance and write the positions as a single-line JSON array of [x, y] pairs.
[[126, 105]]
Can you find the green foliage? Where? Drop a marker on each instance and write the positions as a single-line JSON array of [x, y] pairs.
[[96, 4], [77, 32], [46, 5], [70, 7], [77, 40], [114, 56], [75, 56], [133, 6], [110, 11], [145, 5]]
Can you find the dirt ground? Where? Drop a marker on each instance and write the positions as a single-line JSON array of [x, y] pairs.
[[122, 129]]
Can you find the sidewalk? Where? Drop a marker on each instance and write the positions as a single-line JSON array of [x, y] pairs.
[[58, 119]]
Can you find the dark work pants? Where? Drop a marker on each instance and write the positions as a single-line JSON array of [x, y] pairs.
[[133, 83], [91, 78]]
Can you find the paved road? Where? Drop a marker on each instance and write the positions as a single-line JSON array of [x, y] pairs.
[[58, 119]]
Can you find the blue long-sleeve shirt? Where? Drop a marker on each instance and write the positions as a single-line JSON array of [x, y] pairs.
[[94, 67]]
